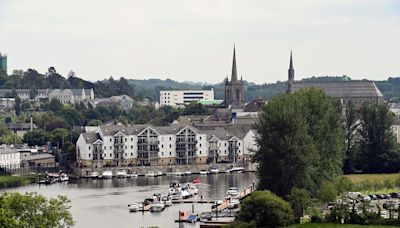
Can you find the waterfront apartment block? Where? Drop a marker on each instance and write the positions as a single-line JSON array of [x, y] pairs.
[[177, 144], [179, 98]]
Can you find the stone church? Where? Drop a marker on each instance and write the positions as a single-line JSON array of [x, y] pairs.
[[354, 92], [234, 89]]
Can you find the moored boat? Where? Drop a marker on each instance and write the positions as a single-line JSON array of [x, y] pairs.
[[203, 172], [121, 173], [214, 170], [157, 207], [233, 203], [94, 174], [238, 169], [135, 207], [150, 174], [64, 177], [107, 174]]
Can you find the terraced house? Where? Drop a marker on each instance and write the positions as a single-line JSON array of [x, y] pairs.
[[177, 144]]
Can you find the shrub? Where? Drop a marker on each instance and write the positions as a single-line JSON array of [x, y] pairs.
[[265, 209]]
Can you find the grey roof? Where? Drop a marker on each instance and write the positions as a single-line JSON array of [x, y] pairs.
[[342, 88], [90, 137], [37, 157], [8, 150], [112, 129], [19, 126], [219, 133]]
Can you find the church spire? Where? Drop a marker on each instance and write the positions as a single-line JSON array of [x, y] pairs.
[[291, 69], [290, 74], [234, 71]]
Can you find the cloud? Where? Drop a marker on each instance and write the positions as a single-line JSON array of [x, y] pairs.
[[192, 40]]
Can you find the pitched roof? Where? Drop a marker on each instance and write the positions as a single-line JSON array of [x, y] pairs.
[[37, 157], [19, 126], [342, 88], [90, 137]]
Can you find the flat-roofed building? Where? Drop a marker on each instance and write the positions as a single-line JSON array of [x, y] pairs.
[[180, 98]]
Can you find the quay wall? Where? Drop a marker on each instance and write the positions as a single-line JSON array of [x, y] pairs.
[[142, 170]]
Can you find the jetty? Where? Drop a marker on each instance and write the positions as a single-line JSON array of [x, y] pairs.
[[242, 194]]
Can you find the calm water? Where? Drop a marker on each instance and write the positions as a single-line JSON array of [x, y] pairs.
[[104, 203]]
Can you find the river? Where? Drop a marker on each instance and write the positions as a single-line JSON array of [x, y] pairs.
[[104, 203]]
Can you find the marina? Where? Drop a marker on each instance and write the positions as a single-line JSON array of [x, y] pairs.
[[107, 199]]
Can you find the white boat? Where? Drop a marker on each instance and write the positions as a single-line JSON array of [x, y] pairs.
[[185, 194], [121, 173], [233, 203], [94, 174], [64, 177], [214, 170], [150, 174], [107, 174], [193, 190], [238, 169], [159, 173], [233, 191], [203, 172], [166, 200], [157, 207], [176, 195], [187, 173], [178, 173], [134, 175], [135, 207]]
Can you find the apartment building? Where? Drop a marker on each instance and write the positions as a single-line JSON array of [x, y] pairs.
[[177, 144], [179, 98]]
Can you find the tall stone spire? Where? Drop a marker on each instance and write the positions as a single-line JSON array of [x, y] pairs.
[[290, 74], [291, 69], [234, 71]]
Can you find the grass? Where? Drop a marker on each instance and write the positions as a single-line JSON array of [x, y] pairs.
[[331, 225], [357, 178], [375, 183], [16, 181]]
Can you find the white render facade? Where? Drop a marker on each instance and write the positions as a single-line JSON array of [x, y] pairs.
[[147, 145], [10, 158], [179, 98]]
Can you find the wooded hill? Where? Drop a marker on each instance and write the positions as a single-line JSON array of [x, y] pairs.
[[150, 88]]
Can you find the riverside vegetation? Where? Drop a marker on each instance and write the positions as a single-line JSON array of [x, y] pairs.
[[301, 153]]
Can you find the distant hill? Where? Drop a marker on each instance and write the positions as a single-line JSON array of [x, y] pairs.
[[150, 88]]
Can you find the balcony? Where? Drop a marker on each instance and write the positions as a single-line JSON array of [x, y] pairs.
[[148, 142]]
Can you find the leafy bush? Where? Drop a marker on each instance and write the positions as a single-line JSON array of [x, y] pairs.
[[265, 209]]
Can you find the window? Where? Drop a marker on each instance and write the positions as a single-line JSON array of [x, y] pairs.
[[125, 139], [110, 140], [162, 153], [89, 148], [110, 147], [131, 146], [200, 144], [131, 154], [110, 155], [170, 138], [200, 137], [89, 155], [132, 139], [170, 145], [170, 153], [200, 153]]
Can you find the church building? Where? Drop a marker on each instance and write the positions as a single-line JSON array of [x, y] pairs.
[[348, 92], [234, 89]]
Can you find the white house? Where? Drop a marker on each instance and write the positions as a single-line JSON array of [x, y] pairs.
[[10, 158], [178, 98]]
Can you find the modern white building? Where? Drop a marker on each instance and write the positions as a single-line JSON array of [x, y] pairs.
[[7, 105], [10, 158], [177, 144], [396, 128], [179, 98]]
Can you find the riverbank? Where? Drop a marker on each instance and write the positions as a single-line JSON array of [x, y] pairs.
[[17, 181], [331, 225]]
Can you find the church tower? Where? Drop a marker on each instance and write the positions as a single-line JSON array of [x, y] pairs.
[[234, 89], [290, 74]]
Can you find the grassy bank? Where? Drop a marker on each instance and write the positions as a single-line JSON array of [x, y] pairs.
[[16, 181], [331, 225], [375, 183]]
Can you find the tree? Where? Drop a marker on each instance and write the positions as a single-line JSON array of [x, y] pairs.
[[55, 105], [299, 200], [327, 192], [300, 142], [32, 93], [265, 209], [17, 105], [33, 210], [351, 126], [37, 137], [379, 152], [95, 122]]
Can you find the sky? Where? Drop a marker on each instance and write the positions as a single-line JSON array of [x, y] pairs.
[[192, 40]]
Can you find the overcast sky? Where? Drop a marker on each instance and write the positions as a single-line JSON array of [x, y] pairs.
[[193, 39]]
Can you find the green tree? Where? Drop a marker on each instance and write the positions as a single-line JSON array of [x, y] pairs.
[[33, 210], [95, 122], [33, 93], [58, 137], [55, 105], [351, 126], [300, 200], [300, 142], [379, 151], [327, 192], [265, 209], [36, 137], [17, 105]]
